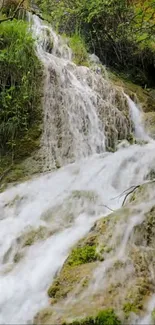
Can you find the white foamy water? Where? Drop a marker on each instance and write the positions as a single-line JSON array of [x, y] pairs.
[[65, 203], [136, 117], [83, 112], [72, 198]]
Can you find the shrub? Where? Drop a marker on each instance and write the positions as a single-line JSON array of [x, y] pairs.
[[78, 46], [81, 255], [107, 317], [20, 77]]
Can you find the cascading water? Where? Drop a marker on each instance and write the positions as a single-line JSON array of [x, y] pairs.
[[83, 112], [136, 117], [42, 219]]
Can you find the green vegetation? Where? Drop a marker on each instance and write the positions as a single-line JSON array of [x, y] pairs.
[[104, 317], [69, 278], [153, 316], [128, 308], [20, 93], [81, 255], [78, 46], [121, 33]]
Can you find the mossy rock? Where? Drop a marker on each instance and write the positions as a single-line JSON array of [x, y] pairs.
[[136, 92], [104, 317], [19, 170], [153, 317], [145, 233], [128, 308], [82, 255], [89, 195], [69, 277], [31, 236], [149, 123], [43, 316]]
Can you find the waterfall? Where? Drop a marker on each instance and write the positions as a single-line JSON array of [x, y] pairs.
[[83, 113], [42, 219]]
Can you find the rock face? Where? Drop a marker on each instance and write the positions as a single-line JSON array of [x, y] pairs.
[[120, 274], [149, 122]]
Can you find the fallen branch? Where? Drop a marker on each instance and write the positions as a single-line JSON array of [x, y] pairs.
[[120, 195], [5, 172], [131, 189], [130, 193], [103, 205]]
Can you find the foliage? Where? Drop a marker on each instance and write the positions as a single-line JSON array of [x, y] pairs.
[[107, 317], [128, 308], [121, 33], [81, 255], [80, 55], [153, 316], [104, 317], [19, 91]]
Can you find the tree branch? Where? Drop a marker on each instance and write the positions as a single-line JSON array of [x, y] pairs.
[[103, 205], [14, 14], [134, 188], [130, 193]]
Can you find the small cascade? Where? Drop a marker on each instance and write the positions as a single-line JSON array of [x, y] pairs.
[[136, 117]]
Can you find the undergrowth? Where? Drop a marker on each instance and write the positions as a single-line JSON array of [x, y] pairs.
[[20, 91], [104, 317], [81, 255]]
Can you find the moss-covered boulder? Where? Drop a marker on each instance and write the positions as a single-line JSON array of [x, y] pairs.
[[144, 96]]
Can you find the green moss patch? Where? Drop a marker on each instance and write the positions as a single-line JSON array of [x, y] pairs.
[[82, 255]]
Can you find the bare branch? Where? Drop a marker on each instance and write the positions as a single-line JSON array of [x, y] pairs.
[[130, 193], [134, 188], [103, 205]]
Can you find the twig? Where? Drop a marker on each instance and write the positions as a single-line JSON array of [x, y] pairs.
[[131, 189], [120, 195], [103, 205]]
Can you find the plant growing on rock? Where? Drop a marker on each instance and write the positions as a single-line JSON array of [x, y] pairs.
[[81, 255], [104, 317]]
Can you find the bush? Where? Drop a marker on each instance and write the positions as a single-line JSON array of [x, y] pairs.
[[20, 80], [107, 317], [78, 46]]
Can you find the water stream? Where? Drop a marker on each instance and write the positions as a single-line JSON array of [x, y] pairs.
[[61, 206]]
